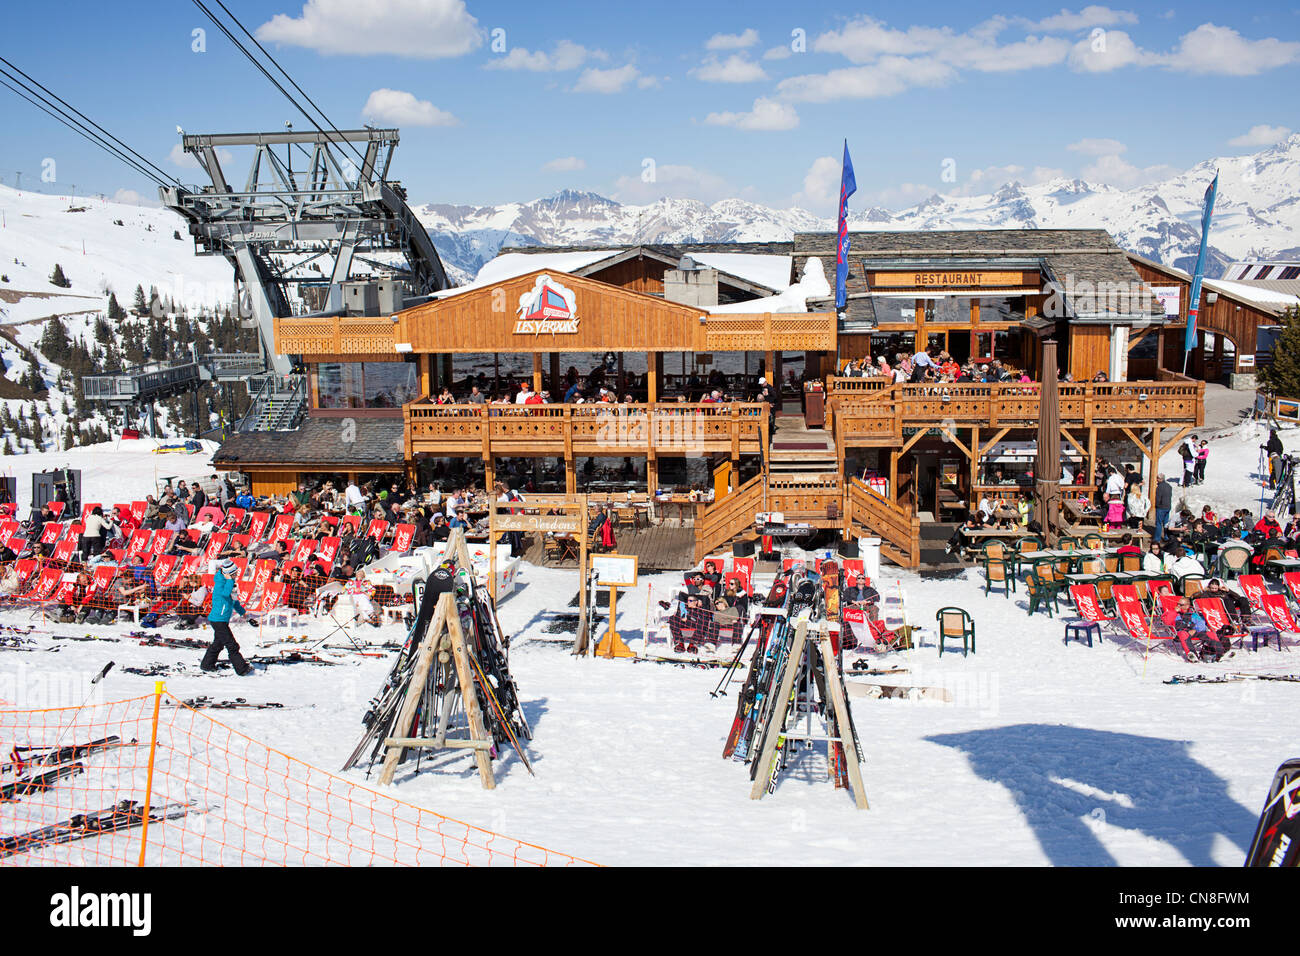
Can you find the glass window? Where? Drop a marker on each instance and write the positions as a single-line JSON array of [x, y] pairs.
[[389, 384], [892, 311], [949, 310], [890, 344], [995, 309], [339, 384], [366, 384]]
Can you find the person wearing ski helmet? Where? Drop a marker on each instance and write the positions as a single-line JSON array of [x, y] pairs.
[[224, 602]]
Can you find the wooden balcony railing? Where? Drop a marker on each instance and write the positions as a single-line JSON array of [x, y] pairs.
[[335, 335], [664, 428], [867, 414]]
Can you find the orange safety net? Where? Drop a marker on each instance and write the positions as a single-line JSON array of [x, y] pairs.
[[152, 782]]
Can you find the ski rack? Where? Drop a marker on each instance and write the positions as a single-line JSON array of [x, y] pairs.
[[445, 641], [801, 663]]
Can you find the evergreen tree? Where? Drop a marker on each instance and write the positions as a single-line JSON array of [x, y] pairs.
[[55, 343], [138, 305], [115, 312], [103, 331], [58, 278], [1283, 376]]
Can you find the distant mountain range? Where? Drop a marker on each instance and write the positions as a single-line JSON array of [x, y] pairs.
[[1257, 214]]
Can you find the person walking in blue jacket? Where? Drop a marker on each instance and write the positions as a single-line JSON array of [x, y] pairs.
[[223, 603]]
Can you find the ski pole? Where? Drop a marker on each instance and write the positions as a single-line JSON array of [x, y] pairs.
[[735, 661], [93, 681]]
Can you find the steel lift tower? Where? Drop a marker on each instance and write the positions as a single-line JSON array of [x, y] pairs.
[[310, 199]]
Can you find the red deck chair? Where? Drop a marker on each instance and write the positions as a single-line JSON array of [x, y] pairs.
[[51, 533], [103, 576], [210, 513], [122, 508], [1088, 603], [87, 508], [190, 564], [233, 517], [165, 569], [1290, 578], [119, 554], [138, 543], [302, 550], [329, 548], [1134, 618], [738, 579], [25, 567], [354, 520], [47, 582], [1277, 611], [67, 587], [64, 549], [215, 544], [280, 530], [1216, 615], [138, 508], [403, 535], [270, 597], [263, 571], [56, 507], [243, 540], [242, 565], [377, 529], [17, 545], [257, 522], [745, 566], [7, 530], [161, 543], [244, 592]]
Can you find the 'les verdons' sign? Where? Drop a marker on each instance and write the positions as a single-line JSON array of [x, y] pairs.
[[547, 307]]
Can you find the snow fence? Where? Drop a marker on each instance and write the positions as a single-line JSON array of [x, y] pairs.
[[151, 782]]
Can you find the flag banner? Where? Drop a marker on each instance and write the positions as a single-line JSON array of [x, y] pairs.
[[848, 186], [1194, 304]]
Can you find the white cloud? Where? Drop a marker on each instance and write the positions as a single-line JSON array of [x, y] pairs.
[[134, 198], [737, 68], [647, 82], [673, 182], [865, 39], [766, 114], [566, 164], [1111, 50], [1085, 19], [1261, 135], [1225, 52], [422, 29], [732, 41], [821, 184], [567, 55], [403, 109], [889, 76], [1098, 147], [1209, 49], [1117, 171], [778, 53], [178, 157], [595, 80], [991, 178]]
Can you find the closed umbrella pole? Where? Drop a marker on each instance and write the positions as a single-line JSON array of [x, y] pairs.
[[1047, 466]]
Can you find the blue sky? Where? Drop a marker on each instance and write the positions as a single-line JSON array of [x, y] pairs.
[[506, 102]]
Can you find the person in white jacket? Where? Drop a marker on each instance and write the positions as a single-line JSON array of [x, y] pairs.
[[1154, 561], [1185, 564], [1136, 505]]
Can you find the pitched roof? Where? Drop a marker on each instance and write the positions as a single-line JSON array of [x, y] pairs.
[[320, 441], [1079, 260]]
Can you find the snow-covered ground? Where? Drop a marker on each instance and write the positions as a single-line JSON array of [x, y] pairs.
[[1048, 754]]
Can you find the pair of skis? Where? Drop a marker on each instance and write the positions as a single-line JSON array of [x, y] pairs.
[[118, 818]]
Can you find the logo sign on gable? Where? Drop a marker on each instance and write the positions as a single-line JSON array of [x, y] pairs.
[[547, 307]]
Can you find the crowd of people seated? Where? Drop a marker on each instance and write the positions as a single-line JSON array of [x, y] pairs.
[[932, 365]]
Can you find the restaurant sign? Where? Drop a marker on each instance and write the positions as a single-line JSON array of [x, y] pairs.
[[547, 307], [954, 279]]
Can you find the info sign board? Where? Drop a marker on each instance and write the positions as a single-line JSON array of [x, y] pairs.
[[615, 570]]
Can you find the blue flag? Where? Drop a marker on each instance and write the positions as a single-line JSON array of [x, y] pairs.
[[848, 186], [1194, 305]]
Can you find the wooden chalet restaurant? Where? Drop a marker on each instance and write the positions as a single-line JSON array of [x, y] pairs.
[[663, 327]]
